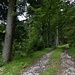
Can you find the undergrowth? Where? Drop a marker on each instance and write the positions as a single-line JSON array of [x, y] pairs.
[[71, 51]]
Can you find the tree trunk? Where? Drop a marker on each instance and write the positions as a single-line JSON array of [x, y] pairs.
[[7, 50], [56, 38]]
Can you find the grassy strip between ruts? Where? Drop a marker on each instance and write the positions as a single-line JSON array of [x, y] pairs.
[[54, 63], [14, 67]]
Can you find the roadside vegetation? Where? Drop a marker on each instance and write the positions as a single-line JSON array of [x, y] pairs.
[[18, 63], [71, 52]]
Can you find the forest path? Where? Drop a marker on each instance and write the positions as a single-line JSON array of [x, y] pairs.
[[38, 66], [67, 64]]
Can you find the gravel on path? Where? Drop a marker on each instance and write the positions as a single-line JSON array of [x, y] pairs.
[[67, 64], [39, 66]]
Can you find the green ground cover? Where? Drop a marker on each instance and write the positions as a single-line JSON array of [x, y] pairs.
[[18, 63]]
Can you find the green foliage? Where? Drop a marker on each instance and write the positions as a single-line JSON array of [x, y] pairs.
[[34, 45], [2, 33], [20, 38], [40, 30], [35, 3], [71, 51], [41, 44]]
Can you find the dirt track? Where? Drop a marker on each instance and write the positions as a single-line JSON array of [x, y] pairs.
[[39, 66], [68, 65]]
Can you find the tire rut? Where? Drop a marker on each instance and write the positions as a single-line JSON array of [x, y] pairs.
[[39, 66], [67, 64]]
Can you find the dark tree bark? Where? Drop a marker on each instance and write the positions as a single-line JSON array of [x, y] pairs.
[[7, 50]]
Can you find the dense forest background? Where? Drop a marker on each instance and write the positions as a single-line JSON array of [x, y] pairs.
[[32, 25]]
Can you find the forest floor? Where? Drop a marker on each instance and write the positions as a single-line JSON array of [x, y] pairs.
[[53, 63]]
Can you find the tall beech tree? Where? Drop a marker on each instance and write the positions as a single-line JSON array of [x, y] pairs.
[[7, 50]]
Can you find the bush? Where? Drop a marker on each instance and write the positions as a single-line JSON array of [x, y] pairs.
[[31, 46], [35, 45], [41, 44]]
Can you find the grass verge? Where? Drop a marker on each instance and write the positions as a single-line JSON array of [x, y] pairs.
[[54, 63], [17, 64], [71, 52]]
